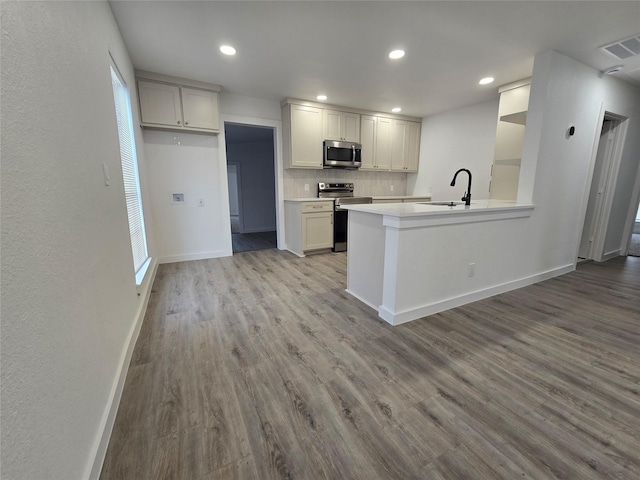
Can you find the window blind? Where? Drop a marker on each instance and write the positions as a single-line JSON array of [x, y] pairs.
[[130, 171]]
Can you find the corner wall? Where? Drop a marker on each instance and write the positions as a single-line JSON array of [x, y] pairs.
[[461, 138], [556, 169], [70, 307]]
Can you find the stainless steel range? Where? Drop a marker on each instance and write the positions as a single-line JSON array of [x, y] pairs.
[[342, 194]]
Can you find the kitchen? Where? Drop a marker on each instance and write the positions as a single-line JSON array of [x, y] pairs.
[[71, 309]]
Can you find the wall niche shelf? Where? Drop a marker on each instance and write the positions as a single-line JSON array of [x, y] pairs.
[[508, 161], [519, 117]]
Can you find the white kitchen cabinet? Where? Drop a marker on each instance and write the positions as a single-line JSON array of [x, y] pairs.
[[384, 137], [341, 126], [376, 140], [302, 136], [177, 107], [200, 109], [308, 226], [159, 104], [512, 117], [405, 148]]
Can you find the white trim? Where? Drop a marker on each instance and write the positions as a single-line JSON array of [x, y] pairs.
[[277, 126], [610, 255], [369, 304], [101, 442], [141, 274], [195, 256], [397, 318]]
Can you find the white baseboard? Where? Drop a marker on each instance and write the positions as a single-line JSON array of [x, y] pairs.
[[369, 304], [610, 255], [195, 256], [109, 416], [397, 318]]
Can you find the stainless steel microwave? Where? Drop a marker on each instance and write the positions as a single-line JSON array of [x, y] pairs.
[[342, 154]]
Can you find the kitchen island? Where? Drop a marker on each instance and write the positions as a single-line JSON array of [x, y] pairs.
[[410, 260]]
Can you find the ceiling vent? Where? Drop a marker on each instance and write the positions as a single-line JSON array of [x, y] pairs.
[[622, 49]]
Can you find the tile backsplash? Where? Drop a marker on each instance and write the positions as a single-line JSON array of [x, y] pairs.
[[365, 182]]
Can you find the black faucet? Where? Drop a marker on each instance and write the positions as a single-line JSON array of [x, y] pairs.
[[467, 196]]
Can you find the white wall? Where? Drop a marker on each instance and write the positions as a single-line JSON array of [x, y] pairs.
[[461, 138], [258, 190], [198, 167], [187, 231], [556, 170], [69, 299]]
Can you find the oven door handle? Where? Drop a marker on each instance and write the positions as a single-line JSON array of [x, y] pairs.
[[353, 154]]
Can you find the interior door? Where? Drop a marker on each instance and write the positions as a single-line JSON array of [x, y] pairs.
[[596, 194]]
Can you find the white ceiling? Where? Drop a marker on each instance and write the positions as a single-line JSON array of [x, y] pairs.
[[303, 48]]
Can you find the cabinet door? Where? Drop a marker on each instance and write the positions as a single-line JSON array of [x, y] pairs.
[[159, 104], [413, 147], [306, 137], [200, 109], [332, 123], [317, 230], [399, 146], [341, 126], [367, 139], [384, 143], [350, 126]]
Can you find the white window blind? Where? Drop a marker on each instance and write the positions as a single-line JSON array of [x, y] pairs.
[[130, 171]]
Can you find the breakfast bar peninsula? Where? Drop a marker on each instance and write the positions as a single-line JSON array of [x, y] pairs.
[[410, 260]]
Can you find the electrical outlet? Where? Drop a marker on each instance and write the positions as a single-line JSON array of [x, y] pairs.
[[472, 269], [391, 188], [306, 187]]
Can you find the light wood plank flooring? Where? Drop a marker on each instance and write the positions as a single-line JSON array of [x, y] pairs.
[[260, 366]]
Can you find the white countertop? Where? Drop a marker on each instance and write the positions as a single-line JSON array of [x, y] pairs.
[[398, 197], [411, 215], [308, 199], [421, 209], [375, 197]]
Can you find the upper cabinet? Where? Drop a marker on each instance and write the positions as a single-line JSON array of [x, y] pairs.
[[376, 140], [341, 126], [177, 104], [512, 117], [405, 146], [302, 136], [389, 143]]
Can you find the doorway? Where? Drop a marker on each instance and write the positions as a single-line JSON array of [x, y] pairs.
[[602, 188], [634, 242], [252, 186]]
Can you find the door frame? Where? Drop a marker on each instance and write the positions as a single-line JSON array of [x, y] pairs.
[[610, 169], [238, 166], [631, 216], [276, 125]]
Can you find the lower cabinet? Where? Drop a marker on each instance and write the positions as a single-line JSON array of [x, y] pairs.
[[308, 226]]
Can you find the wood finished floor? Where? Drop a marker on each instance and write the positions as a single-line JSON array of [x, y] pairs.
[[260, 366]]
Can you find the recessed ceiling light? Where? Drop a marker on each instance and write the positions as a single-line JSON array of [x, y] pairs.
[[321, 97], [486, 81], [396, 109], [228, 50], [396, 54]]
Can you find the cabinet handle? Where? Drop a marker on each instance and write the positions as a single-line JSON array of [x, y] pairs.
[[178, 122], [332, 219]]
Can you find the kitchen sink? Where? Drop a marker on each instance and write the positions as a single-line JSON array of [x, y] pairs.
[[443, 204]]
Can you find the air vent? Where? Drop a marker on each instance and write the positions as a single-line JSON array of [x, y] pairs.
[[622, 49]]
